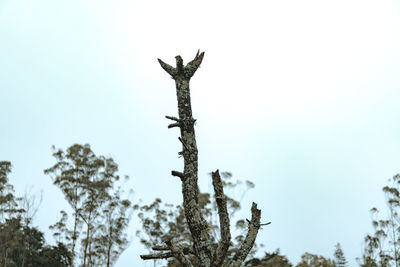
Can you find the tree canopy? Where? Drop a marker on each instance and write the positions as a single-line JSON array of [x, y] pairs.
[[100, 215], [21, 244]]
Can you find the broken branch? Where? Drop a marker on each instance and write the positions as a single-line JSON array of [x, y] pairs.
[[168, 68], [178, 174], [248, 242], [172, 125], [178, 254], [193, 65], [223, 245], [157, 256], [172, 118]]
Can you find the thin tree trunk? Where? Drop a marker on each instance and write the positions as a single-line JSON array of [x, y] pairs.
[[85, 252], [5, 258], [108, 255], [110, 243], [198, 226], [394, 238], [75, 231], [90, 263]]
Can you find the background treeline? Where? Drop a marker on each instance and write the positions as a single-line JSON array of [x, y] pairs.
[[94, 231]]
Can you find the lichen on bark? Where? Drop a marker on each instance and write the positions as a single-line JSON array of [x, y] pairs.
[[207, 253]]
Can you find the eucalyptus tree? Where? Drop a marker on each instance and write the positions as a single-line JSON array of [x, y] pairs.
[[111, 239], [9, 210], [202, 247], [338, 256], [274, 259], [21, 244], [382, 248], [313, 260], [8, 201], [87, 182]]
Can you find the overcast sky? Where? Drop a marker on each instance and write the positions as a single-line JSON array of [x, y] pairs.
[[300, 97]]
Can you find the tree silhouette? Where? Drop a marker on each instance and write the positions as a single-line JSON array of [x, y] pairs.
[[382, 248], [338, 256]]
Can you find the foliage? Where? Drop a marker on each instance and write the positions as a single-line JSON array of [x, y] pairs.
[[20, 244], [112, 239], [8, 202], [56, 256], [275, 259], [338, 256], [382, 248], [312, 260], [100, 216], [270, 260]]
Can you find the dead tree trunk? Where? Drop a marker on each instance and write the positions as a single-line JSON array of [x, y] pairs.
[[207, 253]]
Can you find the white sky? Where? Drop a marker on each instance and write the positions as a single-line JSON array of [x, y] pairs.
[[301, 97]]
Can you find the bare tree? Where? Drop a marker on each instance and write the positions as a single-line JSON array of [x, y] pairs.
[[204, 251]]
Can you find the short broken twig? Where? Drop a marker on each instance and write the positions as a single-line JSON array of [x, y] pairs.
[[177, 174], [172, 125], [172, 118], [154, 256], [261, 224]]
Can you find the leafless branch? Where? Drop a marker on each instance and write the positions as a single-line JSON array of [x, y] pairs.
[[160, 248], [178, 254], [223, 245], [168, 68], [248, 242], [172, 125], [172, 118], [178, 174], [193, 65], [155, 256]]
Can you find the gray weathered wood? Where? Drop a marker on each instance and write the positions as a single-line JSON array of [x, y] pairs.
[[223, 245], [207, 254]]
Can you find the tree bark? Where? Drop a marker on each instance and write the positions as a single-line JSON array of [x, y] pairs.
[[223, 245], [197, 225], [248, 243], [206, 253]]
